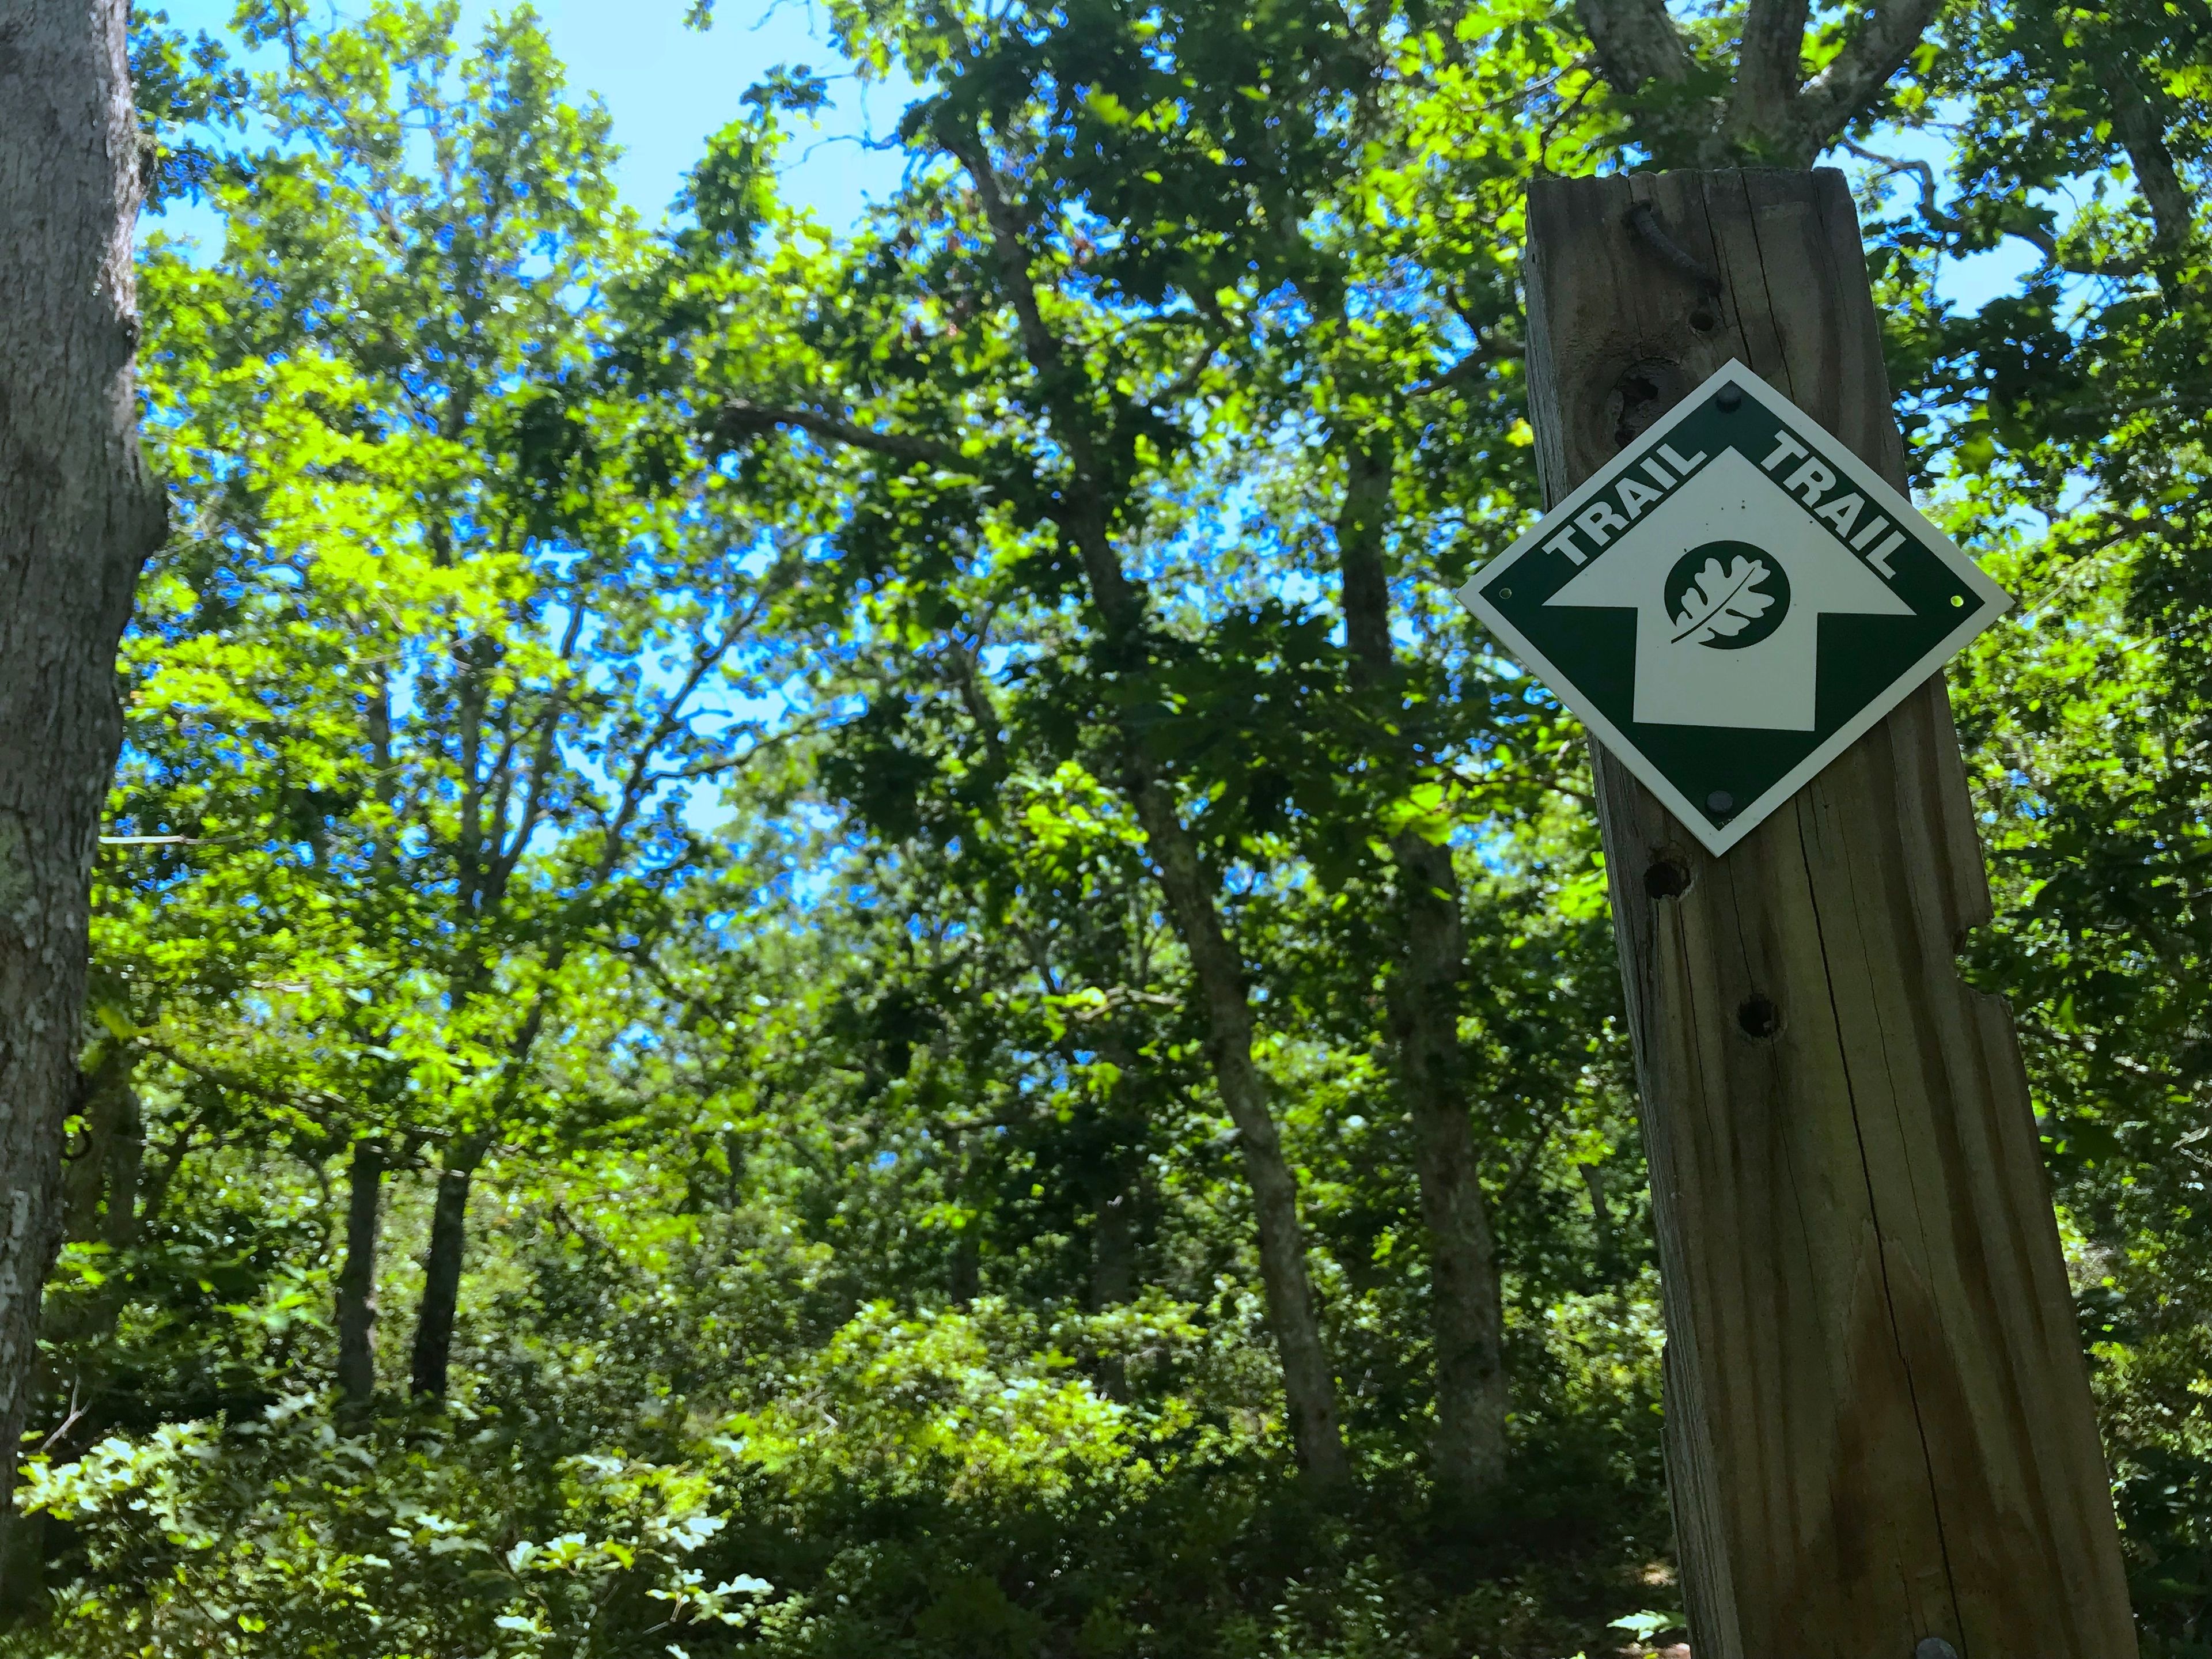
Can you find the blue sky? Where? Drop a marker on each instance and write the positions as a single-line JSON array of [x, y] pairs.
[[668, 86]]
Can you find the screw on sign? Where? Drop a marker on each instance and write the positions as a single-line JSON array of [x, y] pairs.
[[1881, 1443]]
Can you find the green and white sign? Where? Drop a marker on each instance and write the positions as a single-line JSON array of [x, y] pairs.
[[1733, 601]]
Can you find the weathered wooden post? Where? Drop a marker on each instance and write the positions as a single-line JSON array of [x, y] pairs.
[[1880, 1439]]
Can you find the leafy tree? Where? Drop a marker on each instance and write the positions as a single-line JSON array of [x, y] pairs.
[[448, 633]]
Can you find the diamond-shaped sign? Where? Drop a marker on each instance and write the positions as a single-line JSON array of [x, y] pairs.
[[1732, 601]]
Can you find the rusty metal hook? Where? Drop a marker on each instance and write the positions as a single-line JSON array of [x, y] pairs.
[[1645, 223]]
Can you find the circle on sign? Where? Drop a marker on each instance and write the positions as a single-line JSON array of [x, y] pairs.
[[1726, 595]]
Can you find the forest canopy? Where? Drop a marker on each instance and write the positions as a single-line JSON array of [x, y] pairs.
[[821, 940]]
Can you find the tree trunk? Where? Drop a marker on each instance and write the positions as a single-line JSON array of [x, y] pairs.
[[100, 1183], [356, 1288], [100, 1188], [441, 1267], [1083, 514], [1467, 1311], [1309, 1384], [1113, 1249], [1115, 1181], [100, 1206], [78, 515], [967, 1278], [1601, 1221]]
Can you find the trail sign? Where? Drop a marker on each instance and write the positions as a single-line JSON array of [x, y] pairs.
[[1732, 602]]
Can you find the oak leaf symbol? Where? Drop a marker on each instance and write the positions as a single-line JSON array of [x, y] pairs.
[[1721, 604]]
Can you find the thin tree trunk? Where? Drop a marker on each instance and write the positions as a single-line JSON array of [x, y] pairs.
[[1309, 1384], [1600, 1219], [441, 1267], [101, 1184], [356, 1287], [1113, 1249], [967, 1275], [78, 515], [1423, 999], [1114, 1181], [1113, 1274], [100, 1195], [100, 1206]]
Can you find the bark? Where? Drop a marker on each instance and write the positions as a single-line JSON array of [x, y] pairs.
[[1600, 1218], [78, 515], [441, 1267], [1114, 1275], [1645, 58], [100, 1206], [1636, 43], [1114, 1183], [2139, 123], [1768, 117], [1115, 1180], [1114, 1250], [1309, 1384], [100, 1184], [1876, 50], [1423, 999], [356, 1287], [101, 1187], [967, 1279], [1767, 70], [100, 1191]]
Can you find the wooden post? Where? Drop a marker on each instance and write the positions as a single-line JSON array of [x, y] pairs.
[[1879, 1432]]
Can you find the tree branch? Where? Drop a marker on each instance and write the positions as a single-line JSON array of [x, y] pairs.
[[1083, 517], [1951, 224], [1636, 43], [1766, 81], [2139, 123], [739, 418], [1842, 91]]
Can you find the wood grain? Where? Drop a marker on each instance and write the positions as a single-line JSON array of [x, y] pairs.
[[1879, 1421]]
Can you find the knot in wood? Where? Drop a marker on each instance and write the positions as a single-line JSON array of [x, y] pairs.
[[1645, 390]]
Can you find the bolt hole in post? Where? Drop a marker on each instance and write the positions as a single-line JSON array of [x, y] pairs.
[[1669, 876], [1704, 320], [1761, 1021]]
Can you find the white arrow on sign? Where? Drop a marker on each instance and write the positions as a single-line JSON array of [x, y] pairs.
[[1733, 641]]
